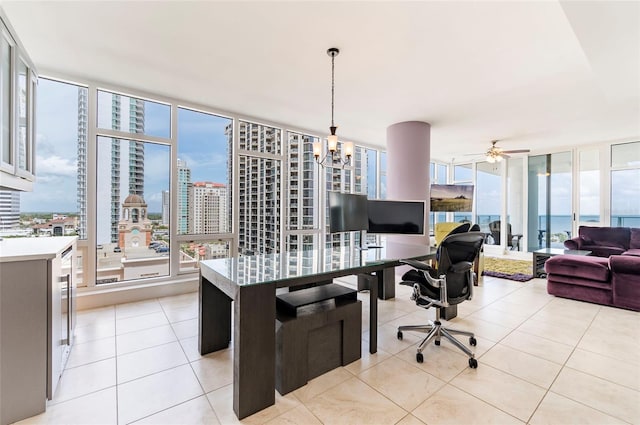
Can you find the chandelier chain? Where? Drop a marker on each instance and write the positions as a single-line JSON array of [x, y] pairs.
[[333, 58]]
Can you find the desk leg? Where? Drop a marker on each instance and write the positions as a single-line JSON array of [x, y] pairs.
[[254, 349], [214, 318], [388, 287], [373, 311]]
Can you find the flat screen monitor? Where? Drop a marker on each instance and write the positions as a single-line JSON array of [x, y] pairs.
[[347, 212], [401, 217], [451, 197]]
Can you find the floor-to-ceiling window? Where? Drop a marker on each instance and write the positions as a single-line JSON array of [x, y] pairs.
[[204, 193], [550, 200], [138, 133], [589, 187], [516, 205], [372, 173], [625, 185], [58, 200], [302, 202], [133, 150], [130, 242], [383, 175], [259, 190], [488, 196]]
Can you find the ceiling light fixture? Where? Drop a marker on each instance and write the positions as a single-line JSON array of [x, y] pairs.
[[493, 156], [332, 139]]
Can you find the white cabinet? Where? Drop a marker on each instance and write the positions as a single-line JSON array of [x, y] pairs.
[[36, 305]]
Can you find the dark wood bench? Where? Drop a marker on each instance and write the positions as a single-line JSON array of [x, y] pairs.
[[317, 330], [289, 302]]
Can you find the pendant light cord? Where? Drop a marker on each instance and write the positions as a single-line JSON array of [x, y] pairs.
[[333, 58]]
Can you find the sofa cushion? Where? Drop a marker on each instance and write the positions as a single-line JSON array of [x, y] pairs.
[[579, 266], [571, 280], [634, 241], [632, 252], [584, 293], [606, 236], [603, 251]]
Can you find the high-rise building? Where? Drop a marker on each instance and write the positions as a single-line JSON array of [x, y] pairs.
[[184, 189], [209, 207], [302, 192], [135, 112], [81, 182], [136, 149], [166, 200], [9, 209], [259, 189]]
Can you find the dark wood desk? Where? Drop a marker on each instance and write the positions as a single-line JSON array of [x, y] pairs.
[[251, 282]]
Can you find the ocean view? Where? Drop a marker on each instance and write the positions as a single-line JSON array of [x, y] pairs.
[[559, 223]]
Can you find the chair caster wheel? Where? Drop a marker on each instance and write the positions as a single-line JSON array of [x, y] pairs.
[[419, 358], [473, 363], [436, 342], [473, 342], [400, 335]]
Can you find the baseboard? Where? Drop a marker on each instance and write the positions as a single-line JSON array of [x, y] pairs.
[[125, 294]]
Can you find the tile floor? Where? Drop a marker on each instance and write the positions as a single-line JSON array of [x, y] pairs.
[[542, 360]]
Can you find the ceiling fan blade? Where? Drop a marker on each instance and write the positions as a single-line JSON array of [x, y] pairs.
[[517, 151]]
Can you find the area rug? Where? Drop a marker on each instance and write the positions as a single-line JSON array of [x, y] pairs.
[[518, 270]]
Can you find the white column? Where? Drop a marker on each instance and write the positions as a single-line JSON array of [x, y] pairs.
[[408, 155]]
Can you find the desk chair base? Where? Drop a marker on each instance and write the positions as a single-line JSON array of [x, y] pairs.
[[435, 331]]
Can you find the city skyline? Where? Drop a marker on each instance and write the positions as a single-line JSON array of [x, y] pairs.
[[55, 189]]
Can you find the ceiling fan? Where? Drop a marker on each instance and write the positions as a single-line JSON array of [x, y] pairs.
[[496, 154]]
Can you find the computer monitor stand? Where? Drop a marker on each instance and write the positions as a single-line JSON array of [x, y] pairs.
[[363, 240]]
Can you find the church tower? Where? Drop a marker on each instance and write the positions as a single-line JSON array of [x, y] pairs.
[[134, 228]]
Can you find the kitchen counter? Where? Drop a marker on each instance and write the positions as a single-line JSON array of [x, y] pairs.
[[24, 249], [37, 292]]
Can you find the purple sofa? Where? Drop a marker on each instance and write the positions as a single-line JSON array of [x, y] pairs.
[[606, 241], [613, 281]]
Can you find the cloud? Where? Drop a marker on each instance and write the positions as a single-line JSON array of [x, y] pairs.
[[55, 165]]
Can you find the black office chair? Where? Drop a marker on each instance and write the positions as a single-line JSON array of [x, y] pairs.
[[450, 284], [464, 227], [513, 241]]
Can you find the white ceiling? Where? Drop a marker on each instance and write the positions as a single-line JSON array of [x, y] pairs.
[[536, 75]]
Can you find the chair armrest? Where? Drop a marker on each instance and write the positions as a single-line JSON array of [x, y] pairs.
[[461, 267], [416, 264], [573, 243]]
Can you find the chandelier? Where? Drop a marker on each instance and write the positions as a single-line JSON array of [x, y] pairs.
[[332, 139], [493, 156]]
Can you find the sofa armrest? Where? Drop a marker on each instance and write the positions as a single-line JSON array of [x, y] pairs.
[[625, 281], [573, 243], [626, 264]]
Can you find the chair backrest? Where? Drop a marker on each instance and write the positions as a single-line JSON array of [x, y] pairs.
[[442, 229], [463, 228], [494, 228], [454, 255]]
